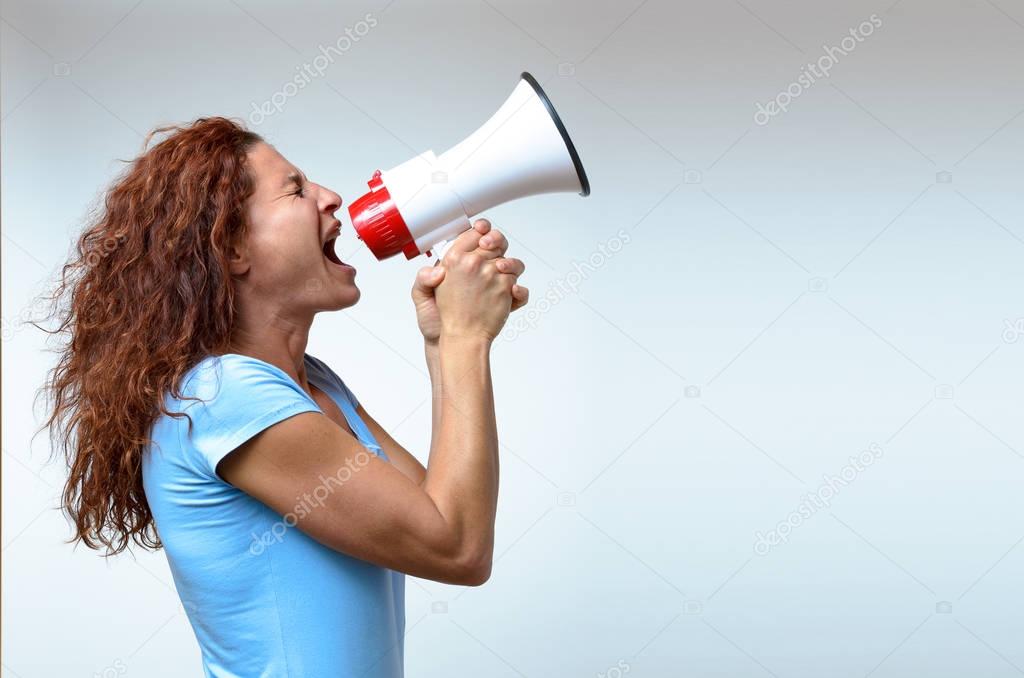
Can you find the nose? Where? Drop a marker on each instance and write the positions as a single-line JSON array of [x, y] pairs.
[[329, 200]]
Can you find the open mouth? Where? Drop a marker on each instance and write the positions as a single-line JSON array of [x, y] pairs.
[[330, 254]]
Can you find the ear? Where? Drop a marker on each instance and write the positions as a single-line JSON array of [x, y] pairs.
[[238, 257]]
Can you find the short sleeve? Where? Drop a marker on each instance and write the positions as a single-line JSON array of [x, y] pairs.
[[239, 397]]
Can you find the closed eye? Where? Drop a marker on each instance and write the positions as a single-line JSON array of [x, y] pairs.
[[297, 180]]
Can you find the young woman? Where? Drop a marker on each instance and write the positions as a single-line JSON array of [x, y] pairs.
[[192, 418]]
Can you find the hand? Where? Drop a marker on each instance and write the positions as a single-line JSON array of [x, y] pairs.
[[427, 316], [478, 288], [429, 277], [494, 246]]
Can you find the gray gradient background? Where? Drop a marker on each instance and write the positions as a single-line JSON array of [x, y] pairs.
[[791, 294]]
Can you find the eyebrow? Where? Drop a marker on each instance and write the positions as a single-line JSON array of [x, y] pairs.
[[295, 178]]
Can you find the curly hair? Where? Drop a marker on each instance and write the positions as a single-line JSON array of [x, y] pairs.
[[145, 295]]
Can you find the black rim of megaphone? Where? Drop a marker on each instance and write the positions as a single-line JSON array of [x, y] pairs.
[[577, 163]]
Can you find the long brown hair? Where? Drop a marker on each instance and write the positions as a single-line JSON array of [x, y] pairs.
[[145, 296]]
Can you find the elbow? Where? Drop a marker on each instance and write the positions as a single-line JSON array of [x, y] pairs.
[[474, 569], [463, 557]]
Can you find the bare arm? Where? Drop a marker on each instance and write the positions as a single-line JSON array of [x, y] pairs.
[[371, 510], [442, 529], [463, 466], [432, 351]]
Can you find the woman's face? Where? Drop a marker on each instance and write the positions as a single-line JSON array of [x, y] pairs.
[[288, 261]]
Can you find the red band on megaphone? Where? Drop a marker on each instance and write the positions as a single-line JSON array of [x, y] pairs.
[[379, 224]]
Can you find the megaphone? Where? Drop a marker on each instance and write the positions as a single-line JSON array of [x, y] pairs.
[[524, 149]]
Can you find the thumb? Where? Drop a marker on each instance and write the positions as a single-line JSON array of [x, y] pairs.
[[427, 278]]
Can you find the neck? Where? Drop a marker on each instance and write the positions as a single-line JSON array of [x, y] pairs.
[[272, 335]]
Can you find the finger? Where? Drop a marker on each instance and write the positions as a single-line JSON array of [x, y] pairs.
[[467, 241], [427, 278], [520, 296], [510, 265], [495, 242], [430, 276]]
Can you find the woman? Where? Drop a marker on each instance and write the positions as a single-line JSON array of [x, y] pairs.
[[192, 418]]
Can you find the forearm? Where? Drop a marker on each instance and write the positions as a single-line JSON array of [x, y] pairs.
[[462, 471], [432, 351]]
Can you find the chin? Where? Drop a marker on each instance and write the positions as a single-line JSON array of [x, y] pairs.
[[350, 297]]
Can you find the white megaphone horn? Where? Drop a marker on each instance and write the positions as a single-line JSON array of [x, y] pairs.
[[524, 149]]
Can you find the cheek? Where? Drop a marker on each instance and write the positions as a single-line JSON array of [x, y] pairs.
[[284, 245]]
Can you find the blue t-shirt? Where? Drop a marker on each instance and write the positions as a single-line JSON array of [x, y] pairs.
[[264, 599]]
